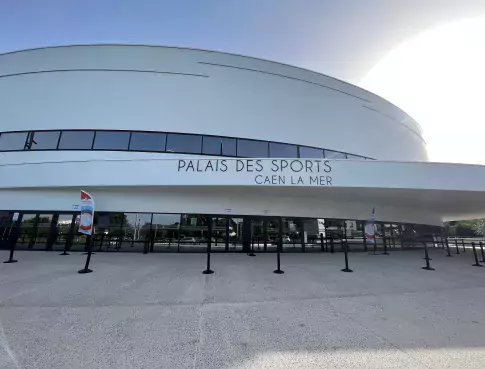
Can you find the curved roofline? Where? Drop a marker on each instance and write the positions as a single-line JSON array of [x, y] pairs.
[[220, 52]]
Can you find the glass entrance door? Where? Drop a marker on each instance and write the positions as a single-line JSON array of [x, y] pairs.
[[258, 234], [235, 228], [63, 232]]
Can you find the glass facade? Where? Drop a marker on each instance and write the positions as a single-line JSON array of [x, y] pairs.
[[76, 140], [252, 149], [13, 141], [111, 140], [148, 141], [219, 146], [191, 144], [161, 142], [43, 140], [278, 150], [147, 233], [310, 152]]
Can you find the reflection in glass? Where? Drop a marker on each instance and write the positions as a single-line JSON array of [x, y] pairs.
[[194, 232], [148, 141], [111, 140], [27, 230], [219, 233], [13, 141], [165, 228], [219, 146], [63, 227], [329, 154], [76, 140], [293, 234], [42, 140], [235, 233], [310, 152], [252, 149], [279, 150], [43, 230], [136, 228], [184, 143], [273, 231], [107, 230]]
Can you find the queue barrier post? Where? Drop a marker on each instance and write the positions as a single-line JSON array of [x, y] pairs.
[[477, 264]]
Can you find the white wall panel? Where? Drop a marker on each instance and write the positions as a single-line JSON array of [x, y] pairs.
[[231, 102]]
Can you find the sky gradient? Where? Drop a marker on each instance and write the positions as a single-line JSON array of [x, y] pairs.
[[344, 38]]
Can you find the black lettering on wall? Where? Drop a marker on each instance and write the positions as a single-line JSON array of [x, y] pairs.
[[182, 164]]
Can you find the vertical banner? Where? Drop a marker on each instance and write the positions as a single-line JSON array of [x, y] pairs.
[[87, 214], [369, 229]]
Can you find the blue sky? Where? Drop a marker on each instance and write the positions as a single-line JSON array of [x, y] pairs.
[[342, 38]]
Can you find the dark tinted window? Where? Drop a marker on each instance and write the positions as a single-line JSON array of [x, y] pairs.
[[148, 141], [43, 140], [184, 143], [278, 150], [329, 154], [254, 149], [354, 157], [219, 146], [111, 140], [12, 141], [310, 152], [76, 140]]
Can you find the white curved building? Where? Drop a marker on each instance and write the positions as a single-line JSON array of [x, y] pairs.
[[192, 145]]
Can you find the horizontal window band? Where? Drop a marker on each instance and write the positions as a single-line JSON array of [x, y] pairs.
[[160, 142]]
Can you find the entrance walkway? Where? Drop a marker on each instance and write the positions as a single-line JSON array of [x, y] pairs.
[[159, 311]]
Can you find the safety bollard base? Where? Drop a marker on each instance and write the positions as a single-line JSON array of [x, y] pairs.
[[10, 261], [208, 271], [347, 270], [428, 268], [477, 265], [251, 254], [64, 253], [449, 256], [278, 271], [385, 253], [84, 271]]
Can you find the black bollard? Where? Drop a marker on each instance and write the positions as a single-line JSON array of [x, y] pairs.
[[208, 269], [321, 242], [365, 243], [426, 257], [463, 244], [12, 250], [12, 238], [331, 244], [252, 248], [88, 258], [456, 244], [483, 255], [346, 251], [385, 245], [65, 250], [278, 261], [477, 264], [447, 247]]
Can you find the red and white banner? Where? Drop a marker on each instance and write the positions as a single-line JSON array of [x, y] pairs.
[[369, 229], [87, 214]]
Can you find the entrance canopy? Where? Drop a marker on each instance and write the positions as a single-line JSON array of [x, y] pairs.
[[418, 192]]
